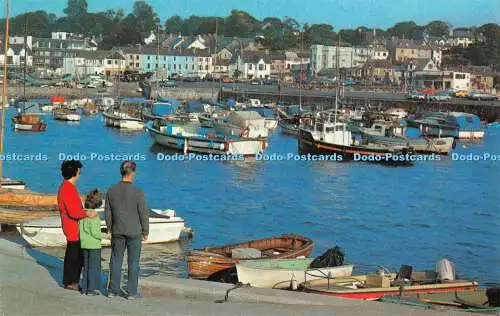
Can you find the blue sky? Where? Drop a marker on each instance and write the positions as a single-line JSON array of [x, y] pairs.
[[340, 13]]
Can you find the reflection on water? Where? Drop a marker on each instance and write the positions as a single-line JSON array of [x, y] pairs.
[[156, 259]]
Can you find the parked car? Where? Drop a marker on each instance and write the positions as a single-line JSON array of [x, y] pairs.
[[227, 80], [255, 83], [440, 97], [415, 95], [461, 94], [482, 96]]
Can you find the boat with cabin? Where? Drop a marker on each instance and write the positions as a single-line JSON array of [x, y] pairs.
[[434, 124], [205, 263], [246, 124], [63, 114], [329, 138], [389, 133], [187, 137]]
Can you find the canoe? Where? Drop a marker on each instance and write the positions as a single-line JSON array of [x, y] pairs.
[[280, 273], [47, 232], [373, 287], [203, 263]]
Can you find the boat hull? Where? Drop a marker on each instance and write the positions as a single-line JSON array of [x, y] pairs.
[[426, 146], [377, 293], [203, 264], [244, 147], [434, 130], [471, 135], [48, 233], [73, 117], [282, 278], [21, 124], [116, 121], [289, 128], [307, 144]]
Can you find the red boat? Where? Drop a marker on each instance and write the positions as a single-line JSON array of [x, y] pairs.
[[373, 287]]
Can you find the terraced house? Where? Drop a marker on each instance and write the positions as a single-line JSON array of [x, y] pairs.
[[169, 63]]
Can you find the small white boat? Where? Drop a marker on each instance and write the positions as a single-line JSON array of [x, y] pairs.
[[281, 273], [122, 120], [164, 227], [66, 115]]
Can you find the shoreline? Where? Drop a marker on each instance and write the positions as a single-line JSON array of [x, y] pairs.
[[29, 275]]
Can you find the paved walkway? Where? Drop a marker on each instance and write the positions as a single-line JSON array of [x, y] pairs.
[[29, 285]]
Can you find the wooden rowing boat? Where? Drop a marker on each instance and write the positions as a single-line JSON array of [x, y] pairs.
[[206, 262], [26, 198], [373, 287]]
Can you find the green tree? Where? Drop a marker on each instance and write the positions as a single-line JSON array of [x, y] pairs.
[[240, 24], [174, 24], [437, 28], [319, 34], [76, 9], [405, 29]]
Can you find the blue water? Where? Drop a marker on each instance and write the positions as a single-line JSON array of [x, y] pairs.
[[379, 215]]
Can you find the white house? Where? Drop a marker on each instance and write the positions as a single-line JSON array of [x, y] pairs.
[[94, 62], [250, 65], [204, 62], [380, 53], [324, 57], [16, 55]]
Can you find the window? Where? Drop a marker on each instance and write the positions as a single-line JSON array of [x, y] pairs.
[[137, 65], [136, 56], [109, 62], [459, 76], [201, 67], [206, 67], [149, 66], [149, 57], [206, 59], [261, 67], [174, 60], [250, 66], [175, 66], [192, 67]]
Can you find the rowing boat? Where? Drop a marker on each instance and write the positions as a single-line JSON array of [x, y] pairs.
[[203, 263]]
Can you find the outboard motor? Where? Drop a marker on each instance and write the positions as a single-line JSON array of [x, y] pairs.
[[446, 269]]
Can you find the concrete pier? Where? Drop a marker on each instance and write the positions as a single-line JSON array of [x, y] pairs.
[[30, 285]]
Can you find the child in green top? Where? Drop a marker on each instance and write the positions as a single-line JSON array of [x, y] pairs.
[[90, 239]]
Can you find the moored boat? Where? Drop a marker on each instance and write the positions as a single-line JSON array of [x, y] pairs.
[[385, 133], [206, 262], [434, 124], [333, 138], [190, 138], [29, 122], [247, 124], [373, 287], [66, 115], [289, 127], [279, 273], [122, 120], [47, 232]]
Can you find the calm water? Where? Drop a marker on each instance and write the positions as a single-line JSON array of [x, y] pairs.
[[379, 215]]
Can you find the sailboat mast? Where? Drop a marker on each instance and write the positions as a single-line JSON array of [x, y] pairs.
[[300, 76], [25, 53], [216, 35], [337, 59], [157, 60], [4, 94]]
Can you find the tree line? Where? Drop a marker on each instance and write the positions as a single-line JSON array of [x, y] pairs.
[[115, 28]]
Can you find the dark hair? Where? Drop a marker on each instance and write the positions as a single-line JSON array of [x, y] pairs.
[[69, 168], [127, 167], [93, 199]]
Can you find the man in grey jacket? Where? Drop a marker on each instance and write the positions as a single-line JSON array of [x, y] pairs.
[[127, 219]]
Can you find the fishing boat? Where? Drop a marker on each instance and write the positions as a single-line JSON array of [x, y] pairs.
[[397, 112], [203, 263], [386, 133], [469, 125], [190, 138], [28, 122], [434, 124], [66, 115], [246, 124], [89, 109], [164, 226], [333, 138], [114, 118], [373, 287], [47, 107], [280, 273]]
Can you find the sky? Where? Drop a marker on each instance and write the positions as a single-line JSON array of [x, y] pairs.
[[339, 13]]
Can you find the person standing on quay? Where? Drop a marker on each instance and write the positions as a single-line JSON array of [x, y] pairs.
[[70, 208], [127, 219]]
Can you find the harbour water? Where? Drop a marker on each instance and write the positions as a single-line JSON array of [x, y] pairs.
[[380, 215]]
